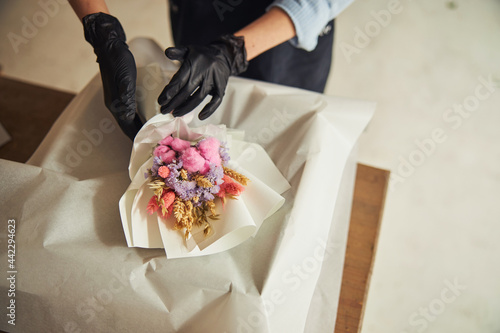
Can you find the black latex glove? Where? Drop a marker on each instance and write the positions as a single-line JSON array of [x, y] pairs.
[[118, 72], [205, 70]]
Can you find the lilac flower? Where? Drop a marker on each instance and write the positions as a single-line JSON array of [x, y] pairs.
[[206, 196], [215, 174], [224, 153], [157, 162], [172, 178], [215, 189], [183, 189]]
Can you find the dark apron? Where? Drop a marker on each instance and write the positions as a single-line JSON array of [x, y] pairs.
[[202, 21]]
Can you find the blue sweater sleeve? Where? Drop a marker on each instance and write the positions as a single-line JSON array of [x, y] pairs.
[[310, 18]]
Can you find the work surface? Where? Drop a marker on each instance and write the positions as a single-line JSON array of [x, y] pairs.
[[367, 206]]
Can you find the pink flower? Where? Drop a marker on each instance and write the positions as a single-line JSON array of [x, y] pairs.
[[169, 211], [152, 205], [166, 154], [205, 168], [230, 187], [168, 198], [167, 201], [160, 150], [179, 144], [166, 141], [192, 160], [163, 171], [168, 157], [209, 149]]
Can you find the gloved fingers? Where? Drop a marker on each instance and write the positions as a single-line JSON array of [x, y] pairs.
[[121, 100], [178, 81], [181, 97], [126, 91], [121, 61], [218, 91], [119, 75], [176, 53], [130, 126], [210, 107], [121, 106], [192, 101]]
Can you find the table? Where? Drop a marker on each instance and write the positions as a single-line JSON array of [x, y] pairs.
[[366, 214], [27, 112], [45, 104]]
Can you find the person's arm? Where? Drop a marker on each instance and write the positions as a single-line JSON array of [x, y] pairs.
[[268, 31], [116, 63], [83, 8], [310, 18], [205, 70]]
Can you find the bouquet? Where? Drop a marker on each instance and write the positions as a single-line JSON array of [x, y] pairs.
[[182, 182], [187, 177]]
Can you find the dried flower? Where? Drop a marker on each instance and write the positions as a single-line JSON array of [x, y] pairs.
[[230, 187], [192, 160], [202, 181], [152, 205], [179, 145], [166, 141], [159, 150], [224, 153], [187, 179], [236, 176], [209, 149], [163, 171]]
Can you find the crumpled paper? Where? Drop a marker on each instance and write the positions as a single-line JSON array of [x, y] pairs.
[[239, 219], [76, 272]]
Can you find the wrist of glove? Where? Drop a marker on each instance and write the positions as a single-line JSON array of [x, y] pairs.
[[236, 53], [205, 70], [117, 66]]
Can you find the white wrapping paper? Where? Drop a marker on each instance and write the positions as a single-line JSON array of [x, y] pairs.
[[238, 220], [76, 273]]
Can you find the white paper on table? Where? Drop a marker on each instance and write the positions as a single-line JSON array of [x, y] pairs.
[[78, 273], [239, 219]]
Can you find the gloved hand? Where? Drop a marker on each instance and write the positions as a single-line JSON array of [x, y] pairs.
[[118, 72], [205, 70]]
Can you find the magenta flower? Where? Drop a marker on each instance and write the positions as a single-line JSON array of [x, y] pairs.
[[192, 160], [168, 157], [179, 144], [160, 150], [205, 168], [209, 149], [166, 141]]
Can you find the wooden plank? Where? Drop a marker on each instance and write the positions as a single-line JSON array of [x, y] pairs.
[[367, 208], [27, 112]]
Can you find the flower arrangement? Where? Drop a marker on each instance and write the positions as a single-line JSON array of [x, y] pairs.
[[187, 178]]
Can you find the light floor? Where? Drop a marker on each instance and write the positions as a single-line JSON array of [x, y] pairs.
[[437, 128]]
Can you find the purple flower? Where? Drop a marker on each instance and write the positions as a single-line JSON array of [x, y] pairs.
[[206, 196], [215, 189], [224, 153], [157, 162], [184, 189]]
